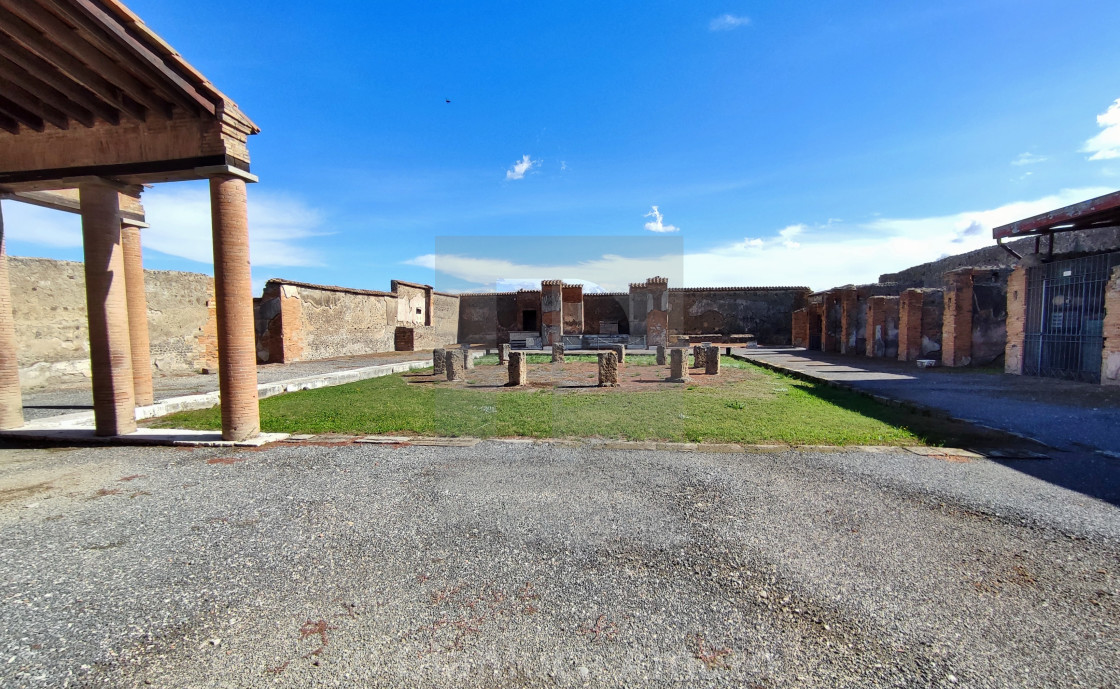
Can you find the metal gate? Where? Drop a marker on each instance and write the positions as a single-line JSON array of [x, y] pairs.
[[1065, 317]]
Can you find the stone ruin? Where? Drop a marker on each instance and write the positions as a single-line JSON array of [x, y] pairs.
[[660, 355], [454, 365], [711, 361], [518, 369], [503, 354], [608, 369], [678, 366], [557, 353], [699, 356], [439, 362], [468, 360]]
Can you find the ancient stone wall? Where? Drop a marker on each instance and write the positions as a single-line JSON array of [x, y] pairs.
[[302, 322], [765, 312], [49, 308], [1110, 354], [606, 309], [1066, 244]]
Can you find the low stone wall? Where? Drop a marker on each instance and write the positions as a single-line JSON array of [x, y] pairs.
[[298, 321], [49, 309]]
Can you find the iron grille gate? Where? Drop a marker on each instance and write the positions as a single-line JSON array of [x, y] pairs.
[[1065, 315]]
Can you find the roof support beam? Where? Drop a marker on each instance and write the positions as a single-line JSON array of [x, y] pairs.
[[31, 103], [22, 115], [44, 70], [45, 93], [97, 27], [57, 42]]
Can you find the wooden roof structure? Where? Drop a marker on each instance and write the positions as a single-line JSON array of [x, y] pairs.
[[88, 90]]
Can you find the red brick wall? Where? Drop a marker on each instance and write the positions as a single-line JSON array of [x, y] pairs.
[[801, 328], [910, 325]]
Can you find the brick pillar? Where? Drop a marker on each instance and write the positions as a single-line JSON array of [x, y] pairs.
[[11, 401], [849, 305], [910, 325], [800, 329], [831, 313], [1016, 321], [956, 328], [1110, 355], [110, 349], [137, 315], [237, 358], [657, 318], [552, 312]]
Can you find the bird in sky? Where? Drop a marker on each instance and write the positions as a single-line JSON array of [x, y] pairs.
[[446, 100]]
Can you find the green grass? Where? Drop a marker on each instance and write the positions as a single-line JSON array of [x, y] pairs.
[[766, 407]]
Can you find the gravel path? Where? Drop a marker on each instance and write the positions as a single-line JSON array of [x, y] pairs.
[[515, 564]]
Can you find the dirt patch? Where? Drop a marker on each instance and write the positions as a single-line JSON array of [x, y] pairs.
[[583, 376]]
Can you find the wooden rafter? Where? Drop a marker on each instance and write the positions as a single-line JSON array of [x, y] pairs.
[[46, 93], [56, 42], [101, 30], [46, 72], [33, 104]]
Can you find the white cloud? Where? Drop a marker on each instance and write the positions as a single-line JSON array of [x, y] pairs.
[[1029, 159], [1106, 144], [610, 272], [179, 216], [727, 22], [658, 224], [789, 233], [521, 167]]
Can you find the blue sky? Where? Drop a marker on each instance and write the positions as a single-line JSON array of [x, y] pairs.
[[809, 143]]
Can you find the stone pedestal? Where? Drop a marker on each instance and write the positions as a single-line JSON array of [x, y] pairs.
[[699, 356], [678, 365], [619, 352], [608, 369], [518, 369], [468, 360], [660, 355], [453, 365], [711, 362], [557, 353], [503, 354], [439, 362]]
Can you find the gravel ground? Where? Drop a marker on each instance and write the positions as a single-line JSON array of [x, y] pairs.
[[517, 564]]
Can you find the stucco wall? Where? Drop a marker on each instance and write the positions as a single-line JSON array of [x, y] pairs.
[[49, 309]]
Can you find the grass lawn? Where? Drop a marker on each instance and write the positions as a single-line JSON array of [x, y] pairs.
[[761, 407]]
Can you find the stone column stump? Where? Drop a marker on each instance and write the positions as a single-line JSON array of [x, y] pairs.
[[439, 362], [711, 362], [503, 354], [619, 352], [699, 356], [660, 355], [518, 369], [468, 360], [678, 366], [557, 353], [608, 370], [453, 362]]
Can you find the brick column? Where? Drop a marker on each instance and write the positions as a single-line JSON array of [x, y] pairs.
[[956, 328], [1016, 321], [110, 350], [237, 357], [832, 310], [800, 328], [137, 315], [11, 401], [1110, 355], [910, 325], [552, 312], [849, 304]]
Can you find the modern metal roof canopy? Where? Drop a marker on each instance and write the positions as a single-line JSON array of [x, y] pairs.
[[88, 90], [1103, 211]]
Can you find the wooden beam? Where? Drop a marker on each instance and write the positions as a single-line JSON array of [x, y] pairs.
[[56, 41], [22, 115], [8, 124], [28, 101], [46, 72], [45, 93], [101, 29]]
